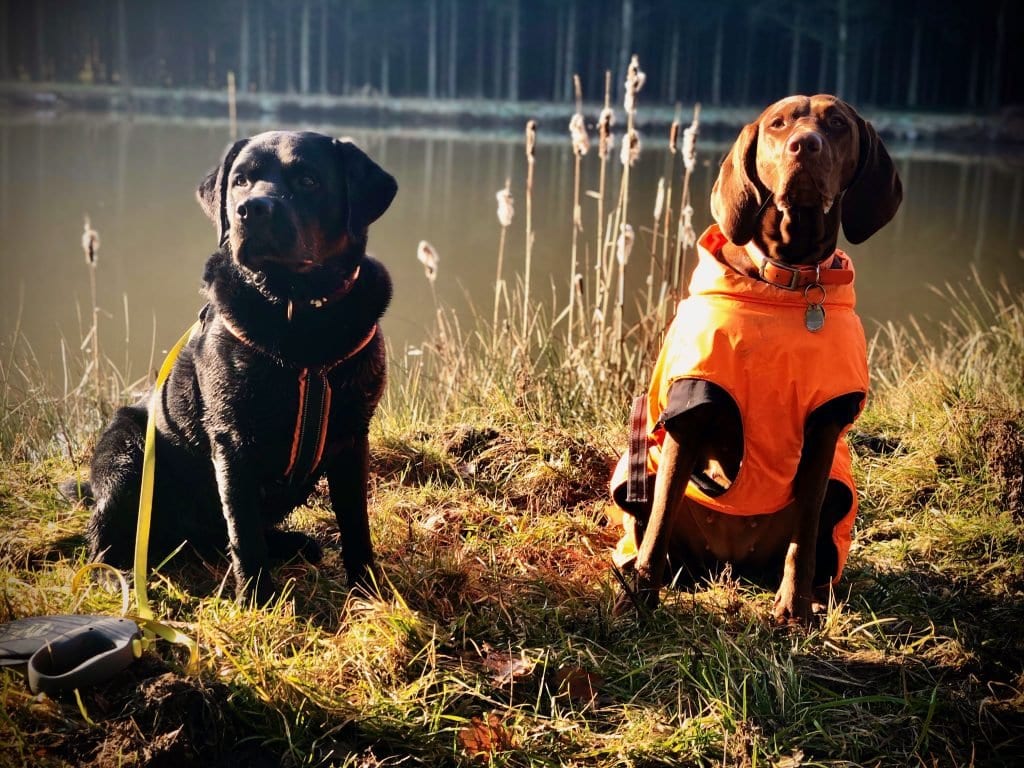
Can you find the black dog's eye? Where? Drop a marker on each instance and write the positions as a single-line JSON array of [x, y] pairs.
[[308, 182], [239, 181]]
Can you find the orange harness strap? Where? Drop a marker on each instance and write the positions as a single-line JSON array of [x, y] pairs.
[[312, 416]]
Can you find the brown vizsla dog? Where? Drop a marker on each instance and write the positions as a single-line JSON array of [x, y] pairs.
[[763, 369]]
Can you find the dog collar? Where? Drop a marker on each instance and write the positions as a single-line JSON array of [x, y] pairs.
[[322, 301], [828, 271]]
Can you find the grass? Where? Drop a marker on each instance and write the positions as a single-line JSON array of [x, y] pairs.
[[493, 641]]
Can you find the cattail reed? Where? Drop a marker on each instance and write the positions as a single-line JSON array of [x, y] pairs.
[[673, 149], [623, 249], [91, 247], [659, 207], [686, 236], [506, 210], [531, 143], [580, 145], [428, 256]]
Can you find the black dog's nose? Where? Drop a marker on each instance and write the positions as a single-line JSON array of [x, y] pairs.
[[255, 209], [808, 143]]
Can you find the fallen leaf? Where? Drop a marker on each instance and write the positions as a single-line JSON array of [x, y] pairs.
[[482, 739], [581, 686]]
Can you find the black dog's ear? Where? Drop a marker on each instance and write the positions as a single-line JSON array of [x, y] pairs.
[[876, 191], [213, 190], [370, 189], [737, 195]]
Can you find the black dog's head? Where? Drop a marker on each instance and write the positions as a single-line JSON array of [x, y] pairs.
[[295, 203]]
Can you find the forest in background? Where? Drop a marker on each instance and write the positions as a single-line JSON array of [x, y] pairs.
[[910, 54]]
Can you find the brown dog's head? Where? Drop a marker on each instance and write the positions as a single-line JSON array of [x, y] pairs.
[[807, 164], [299, 201]]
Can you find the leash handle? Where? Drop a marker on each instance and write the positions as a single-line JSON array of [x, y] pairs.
[[148, 473]]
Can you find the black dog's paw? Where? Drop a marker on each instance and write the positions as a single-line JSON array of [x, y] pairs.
[[285, 545]]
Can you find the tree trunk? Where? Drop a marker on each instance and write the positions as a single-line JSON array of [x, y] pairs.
[[346, 62], [794, 51], [625, 45], [40, 16], [913, 81], [5, 61], [513, 53], [996, 79], [385, 72], [842, 36], [498, 57], [289, 53], [243, 48], [973, 73], [559, 57], [822, 67], [453, 48], [262, 49], [716, 70], [432, 49], [304, 52], [672, 81], [570, 53], [480, 37], [323, 46]]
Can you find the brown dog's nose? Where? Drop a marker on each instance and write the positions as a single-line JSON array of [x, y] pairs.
[[805, 143], [255, 209]]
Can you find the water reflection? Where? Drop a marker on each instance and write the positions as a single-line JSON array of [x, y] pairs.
[[136, 180]]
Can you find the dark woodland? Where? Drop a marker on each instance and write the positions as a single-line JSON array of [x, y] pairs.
[[941, 55]]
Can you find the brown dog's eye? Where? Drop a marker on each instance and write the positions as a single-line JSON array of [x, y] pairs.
[[836, 122], [778, 122]]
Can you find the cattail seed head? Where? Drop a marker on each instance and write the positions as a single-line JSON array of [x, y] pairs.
[[635, 79], [624, 245], [690, 148], [531, 139], [506, 207], [606, 142], [630, 151], [673, 137], [659, 200], [578, 132], [429, 258], [90, 242]]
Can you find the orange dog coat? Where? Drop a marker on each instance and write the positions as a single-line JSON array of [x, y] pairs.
[[749, 338]]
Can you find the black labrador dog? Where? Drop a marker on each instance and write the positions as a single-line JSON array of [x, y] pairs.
[[277, 387]]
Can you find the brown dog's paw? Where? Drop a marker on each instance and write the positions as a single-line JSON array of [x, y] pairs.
[[791, 606], [636, 594]]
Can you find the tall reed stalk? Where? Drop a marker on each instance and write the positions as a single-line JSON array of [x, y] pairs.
[[686, 237], [580, 145], [531, 144], [506, 210], [91, 247]]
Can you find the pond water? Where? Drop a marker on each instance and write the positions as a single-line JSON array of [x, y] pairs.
[[136, 179]]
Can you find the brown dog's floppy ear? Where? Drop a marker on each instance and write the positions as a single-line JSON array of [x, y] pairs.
[[213, 190], [876, 191], [369, 187], [737, 195]]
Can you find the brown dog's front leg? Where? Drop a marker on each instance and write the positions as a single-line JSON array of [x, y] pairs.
[[793, 600], [678, 457]]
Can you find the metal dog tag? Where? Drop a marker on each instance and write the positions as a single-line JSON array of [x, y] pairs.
[[814, 317]]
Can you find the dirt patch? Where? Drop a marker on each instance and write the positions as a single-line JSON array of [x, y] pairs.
[[151, 716], [1002, 441]]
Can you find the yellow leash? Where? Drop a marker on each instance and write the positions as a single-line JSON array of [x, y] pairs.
[[144, 614]]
